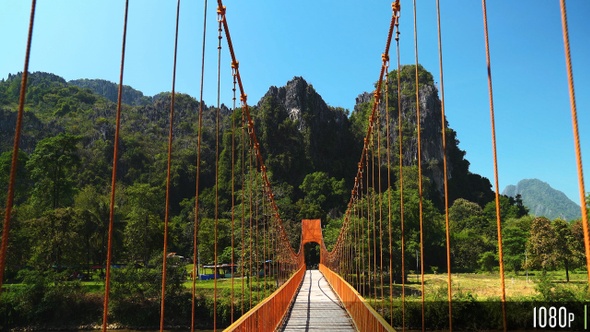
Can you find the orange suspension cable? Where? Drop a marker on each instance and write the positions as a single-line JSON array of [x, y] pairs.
[[362, 238], [572, 94], [257, 253], [107, 284], [255, 237], [492, 121], [395, 7], [354, 250], [243, 221], [371, 212], [17, 132], [401, 175], [266, 239], [279, 258], [368, 200], [168, 172], [357, 244], [350, 265], [267, 244], [364, 153], [357, 190], [374, 208], [251, 235], [389, 190], [419, 158], [233, 201], [348, 258], [198, 175], [380, 193], [446, 186], [217, 133], [243, 99]]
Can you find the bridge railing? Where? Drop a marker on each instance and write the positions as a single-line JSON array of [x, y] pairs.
[[365, 318], [268, 314]]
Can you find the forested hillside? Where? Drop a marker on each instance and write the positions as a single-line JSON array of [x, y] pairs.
[[110, 91], [311, 151], [542, 200], [310, 148]]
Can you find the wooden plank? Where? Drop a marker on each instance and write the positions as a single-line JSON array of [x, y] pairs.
[[317, 308]]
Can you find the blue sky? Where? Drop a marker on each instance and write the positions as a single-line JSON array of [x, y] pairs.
[[338, 50]]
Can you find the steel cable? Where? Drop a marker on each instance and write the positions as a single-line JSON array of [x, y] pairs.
[[198, 174], [107, 284], [17, 133], [401, 177], [578, 150], [445, 177], [493, 128], [168, 174], [419, 162]]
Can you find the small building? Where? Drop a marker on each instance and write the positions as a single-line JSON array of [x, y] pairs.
[[221, 270]]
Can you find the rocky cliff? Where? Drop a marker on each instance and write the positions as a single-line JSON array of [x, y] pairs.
[[110, 91], [300, 133], [462, 183]]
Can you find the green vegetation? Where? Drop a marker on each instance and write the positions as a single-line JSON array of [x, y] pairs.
[[476, 300], [57, 300], [61, 213]]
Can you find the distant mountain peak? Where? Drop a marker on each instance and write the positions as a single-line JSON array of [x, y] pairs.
[[301, 133], [543, 200], [293, 94], [301, 102], [110, 91]]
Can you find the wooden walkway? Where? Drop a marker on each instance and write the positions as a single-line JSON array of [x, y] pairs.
[[317, 308]]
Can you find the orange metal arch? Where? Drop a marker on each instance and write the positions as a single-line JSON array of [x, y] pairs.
[[311, 231]]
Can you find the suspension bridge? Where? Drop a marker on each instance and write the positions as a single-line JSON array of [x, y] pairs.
[[332, 298]]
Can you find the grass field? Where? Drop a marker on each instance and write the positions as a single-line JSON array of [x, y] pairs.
[[476, 300], [481, 286], [487, 285]]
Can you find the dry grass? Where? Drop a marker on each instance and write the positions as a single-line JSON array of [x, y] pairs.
[[487, 285], [483, 286]]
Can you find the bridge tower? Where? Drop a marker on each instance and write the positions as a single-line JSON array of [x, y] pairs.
[[311, 232]]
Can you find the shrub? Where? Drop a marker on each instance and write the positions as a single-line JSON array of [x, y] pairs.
[[46, 299]]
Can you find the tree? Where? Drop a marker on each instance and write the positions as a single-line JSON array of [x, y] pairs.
[[322, 194], [470, 234], [488, 260], [541, 245], [281, 141], [467, 246], [577, 245], [93, 207], [514, 245], [56, 240], [331, 232], [564, 241], [207, 240], [433, 229], [143, 231], [53, 167], [22, 176], [521, 209], [464, 214], [508, 209]]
